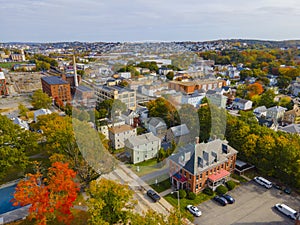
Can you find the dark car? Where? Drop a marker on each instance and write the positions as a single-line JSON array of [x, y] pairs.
[[287, 190], [152, 194], [229, 198], [221, 200]]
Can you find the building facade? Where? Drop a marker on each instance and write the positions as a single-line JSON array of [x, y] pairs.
[[125, 95], [201, 165], [143, 147], [3, 87], [118, 135], [56, 88]]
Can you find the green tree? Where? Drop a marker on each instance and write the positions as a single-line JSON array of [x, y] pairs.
[[267, 98], [170, 75], [40, 100], [110, 202], [221, 190], [23, 109]]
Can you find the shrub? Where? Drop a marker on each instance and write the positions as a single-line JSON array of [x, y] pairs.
[[208, 191], [191, 195], [221, 190], [230, 185], [182, 193]]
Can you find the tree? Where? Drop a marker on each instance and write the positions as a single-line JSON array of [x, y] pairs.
[[170, 75], [15, 144], [23, 110], [254, 89], [50, 198], [267, 98], [40, 100], [110, 202], [221, 190]]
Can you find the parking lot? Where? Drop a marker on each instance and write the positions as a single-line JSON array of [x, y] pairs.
[[254, 206]]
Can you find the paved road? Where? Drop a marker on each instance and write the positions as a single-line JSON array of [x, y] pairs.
[[254, 206], [125, 175]]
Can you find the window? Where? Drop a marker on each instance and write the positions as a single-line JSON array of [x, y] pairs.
[[200, 184], [185, 173], [200, 175], [206, 173], [190, 176], [197, 186], [197, 177]]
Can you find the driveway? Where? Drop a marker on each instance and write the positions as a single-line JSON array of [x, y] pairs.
[[254, 206]]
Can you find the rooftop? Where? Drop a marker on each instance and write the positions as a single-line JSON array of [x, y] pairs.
[[54, 80], [120, 129], [142, 139]]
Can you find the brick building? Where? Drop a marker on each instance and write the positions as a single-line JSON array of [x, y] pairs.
[[3, 87], [201, 165], [56, 88], [189, 87]]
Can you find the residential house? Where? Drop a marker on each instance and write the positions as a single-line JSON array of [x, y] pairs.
[[276, 113], [201, 165], [193, 99], [130, 117], [22, 123], [292, 129], [216, 98], [272, 79], [118, 135], [157, 126], [178, 134], [105, 123], [295, 88], [260, 111], [292, 116], [40, 112], [242, 104], [142, 147]]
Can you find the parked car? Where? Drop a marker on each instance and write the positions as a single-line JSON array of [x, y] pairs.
[[153, 195], [291, 213], [222, 201], [194, 210], [287, 190], [277, 186], [264, 182], [229, 198]]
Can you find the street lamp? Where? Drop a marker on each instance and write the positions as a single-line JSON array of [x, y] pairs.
[[177, 201]]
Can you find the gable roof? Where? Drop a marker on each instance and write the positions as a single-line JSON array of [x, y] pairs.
[[141, 140], [180, 130], [276, 109], [293, 128], [156, 122], [120, 129]]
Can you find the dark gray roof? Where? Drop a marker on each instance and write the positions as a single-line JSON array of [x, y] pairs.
[[84, 88], [180, 130], [293, 128], [154, 121], [54, 80]]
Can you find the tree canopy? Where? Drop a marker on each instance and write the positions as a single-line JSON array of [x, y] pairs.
[[40, 100]]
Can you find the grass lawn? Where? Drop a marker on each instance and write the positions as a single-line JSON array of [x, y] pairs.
[[9, 65], [238, 177], [161, 186], [172, 199], [146, 167]]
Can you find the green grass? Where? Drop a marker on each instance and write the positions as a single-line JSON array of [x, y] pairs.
[[9, 65], [172, 199], [161, 186], [238, 177], [146, 167]]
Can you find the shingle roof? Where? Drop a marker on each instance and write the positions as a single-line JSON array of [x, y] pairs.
[[141, 139], [120, 129], [54, 80], [180, 130]]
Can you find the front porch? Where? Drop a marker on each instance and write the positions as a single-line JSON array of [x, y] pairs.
[[178, 181], [217, 179]]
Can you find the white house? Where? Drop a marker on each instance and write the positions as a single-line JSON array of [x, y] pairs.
[[129, 117], [260, 111], [193, 99], [41, 112], [142, 147], [276, 112], [242, 104], [23, 124], [118, 135]]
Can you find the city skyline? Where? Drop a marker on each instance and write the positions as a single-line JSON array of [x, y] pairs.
[[138, 20]]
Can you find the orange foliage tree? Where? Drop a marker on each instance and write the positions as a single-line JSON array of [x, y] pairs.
[[255, 89], [50, 198]]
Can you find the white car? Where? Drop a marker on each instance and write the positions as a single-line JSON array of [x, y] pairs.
[[194, 210]]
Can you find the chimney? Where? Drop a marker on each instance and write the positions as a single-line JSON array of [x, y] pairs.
[[75, 71]]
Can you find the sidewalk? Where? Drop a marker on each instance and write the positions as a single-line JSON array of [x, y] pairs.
[[166, 192]]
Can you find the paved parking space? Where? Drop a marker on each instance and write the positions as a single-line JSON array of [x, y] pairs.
[[254, 206]]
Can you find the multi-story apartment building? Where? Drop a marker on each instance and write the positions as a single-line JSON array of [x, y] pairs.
[[201, 165], [118, 135], [125, 95], [56, 88], [189, 87], [142, 147]]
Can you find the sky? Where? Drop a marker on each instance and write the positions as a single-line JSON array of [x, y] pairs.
[[148, 20]]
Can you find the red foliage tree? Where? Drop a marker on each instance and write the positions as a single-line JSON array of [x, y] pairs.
[[50, 197], [255, 89]]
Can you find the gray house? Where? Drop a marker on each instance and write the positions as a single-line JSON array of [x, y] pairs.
[[142, 147], [157, 126], [179, 134]]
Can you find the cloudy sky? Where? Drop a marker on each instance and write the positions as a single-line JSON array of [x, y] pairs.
[[142, 20]]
